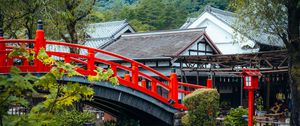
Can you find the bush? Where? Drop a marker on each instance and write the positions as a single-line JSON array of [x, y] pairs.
[[75, 117], [202, 105], [235, 117], [185, 120]]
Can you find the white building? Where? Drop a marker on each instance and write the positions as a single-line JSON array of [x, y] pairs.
[[220, 28]]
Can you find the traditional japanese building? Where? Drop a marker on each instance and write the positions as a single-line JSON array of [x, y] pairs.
[[263, 51], [220, 26]]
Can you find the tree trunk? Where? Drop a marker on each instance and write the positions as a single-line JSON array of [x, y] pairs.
[[294, 59], [1, 19], [73, 36], [294, 74]]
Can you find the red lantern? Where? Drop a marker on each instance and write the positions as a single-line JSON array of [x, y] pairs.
[[251, 78], [251, 84]]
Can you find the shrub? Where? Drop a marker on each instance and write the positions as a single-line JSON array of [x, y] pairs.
[[202, 105], [235, 117], [185, 120]]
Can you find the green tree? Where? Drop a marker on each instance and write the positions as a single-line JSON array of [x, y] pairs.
[[17, 16], [60, 95], [65, 19], [280, 18]]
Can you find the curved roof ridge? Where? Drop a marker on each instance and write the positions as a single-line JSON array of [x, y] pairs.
[[109, 23], [201, 29], [209, 8]]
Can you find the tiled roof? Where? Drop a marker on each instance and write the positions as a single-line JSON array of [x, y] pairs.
[[151, 45], [99, 34], [105, 29], [230, 19]]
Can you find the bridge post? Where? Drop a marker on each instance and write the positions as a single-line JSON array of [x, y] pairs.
[[127, 77], [144, 83], [173, 94], [2, 49], [91, 61], [135, 74], [40, 42], [114, 69], [153, 86], [209, 83]]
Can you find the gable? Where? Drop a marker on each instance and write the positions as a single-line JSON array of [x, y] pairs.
[[202, 46], [222, 35]]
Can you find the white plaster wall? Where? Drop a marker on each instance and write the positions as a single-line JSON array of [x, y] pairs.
[[222, 35]]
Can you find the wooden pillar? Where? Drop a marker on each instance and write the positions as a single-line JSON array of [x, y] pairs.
[[268, 92], [242, 87]]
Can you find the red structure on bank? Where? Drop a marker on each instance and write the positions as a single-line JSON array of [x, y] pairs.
[[135, 80], [251, 84]]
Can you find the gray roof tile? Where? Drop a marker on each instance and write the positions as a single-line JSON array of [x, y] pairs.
[[152, 44], [99, 33]]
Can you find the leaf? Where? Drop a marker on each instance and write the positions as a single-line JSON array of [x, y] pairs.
[[44, 58]]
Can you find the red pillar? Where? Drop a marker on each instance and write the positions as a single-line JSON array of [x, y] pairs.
[[173, 93], [135, 74], [250, 106], [40, 42], [209, 83], [127, 77], [114, 69], [2, 48], [144, 83], [153, 86], [91, 61]]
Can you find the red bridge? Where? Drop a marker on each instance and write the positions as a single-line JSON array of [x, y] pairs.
[[133, 83]]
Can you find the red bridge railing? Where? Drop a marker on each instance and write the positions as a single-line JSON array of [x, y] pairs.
[[137, 79]]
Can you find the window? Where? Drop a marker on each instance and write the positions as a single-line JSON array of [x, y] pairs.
[[248, 81]]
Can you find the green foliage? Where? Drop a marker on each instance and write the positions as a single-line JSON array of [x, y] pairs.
[[102, 75], [258, 17], [61, 95], [202, 105], [122, 122], [28, 54], [259, 104], [185, 120], [235, 117], [110, 123], [14, 89], [74, 117], [64, 19], [147, 15]]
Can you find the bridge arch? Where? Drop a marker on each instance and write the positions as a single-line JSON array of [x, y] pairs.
[[124, 101]]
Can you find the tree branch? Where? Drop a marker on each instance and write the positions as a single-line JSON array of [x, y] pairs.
[[87, 12]]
